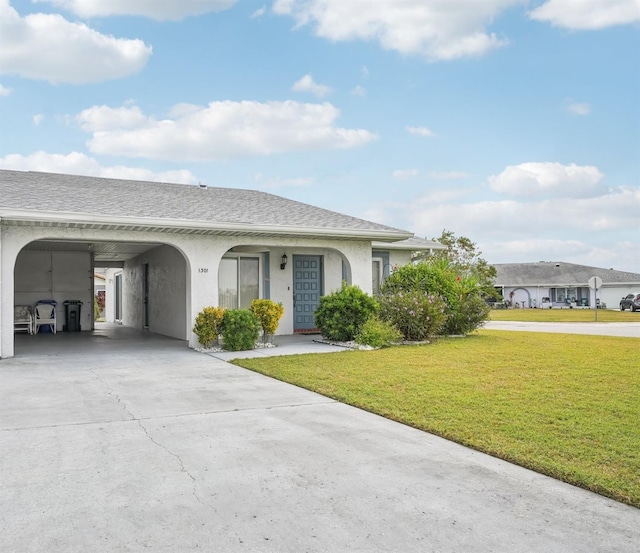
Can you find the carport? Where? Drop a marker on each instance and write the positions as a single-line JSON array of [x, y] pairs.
[[150, 276]]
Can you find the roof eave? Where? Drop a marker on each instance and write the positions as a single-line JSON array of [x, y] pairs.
[[43, 217]]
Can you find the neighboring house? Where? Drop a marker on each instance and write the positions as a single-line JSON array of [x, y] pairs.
[[562, 284], [169, 250]]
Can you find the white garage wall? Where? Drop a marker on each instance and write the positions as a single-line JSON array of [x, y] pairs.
[[59, 276], [167, 292]]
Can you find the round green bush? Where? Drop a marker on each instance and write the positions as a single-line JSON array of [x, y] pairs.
[[240, 329], [340, 315]]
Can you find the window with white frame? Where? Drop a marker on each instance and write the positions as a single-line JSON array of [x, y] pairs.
[[377, 274], [238, 281]]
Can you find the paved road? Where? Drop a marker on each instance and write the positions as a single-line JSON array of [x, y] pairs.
[[143, 445], [630, 330]]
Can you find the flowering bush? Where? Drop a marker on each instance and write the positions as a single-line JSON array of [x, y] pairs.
[[208, 325], [465, 310], [417, 314], [269, 314]]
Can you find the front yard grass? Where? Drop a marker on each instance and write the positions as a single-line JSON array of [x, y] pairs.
[[564, 405], [564, 315]]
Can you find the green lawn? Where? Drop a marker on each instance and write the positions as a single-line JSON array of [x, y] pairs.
[[563, 405], [564, 315]]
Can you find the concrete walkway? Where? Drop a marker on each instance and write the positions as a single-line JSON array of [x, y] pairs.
[[139, 444]]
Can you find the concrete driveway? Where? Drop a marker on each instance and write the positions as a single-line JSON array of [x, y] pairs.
[[139, 444]]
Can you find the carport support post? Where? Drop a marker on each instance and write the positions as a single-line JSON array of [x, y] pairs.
[[2, 308], [7, 262]]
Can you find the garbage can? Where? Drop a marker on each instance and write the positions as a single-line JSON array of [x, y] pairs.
[[72, 315]]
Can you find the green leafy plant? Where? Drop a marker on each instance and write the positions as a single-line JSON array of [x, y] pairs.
[[340, 315], [269, 314], [240, 328], [378, 333], [208, 325], [465, 308], [415, 313]]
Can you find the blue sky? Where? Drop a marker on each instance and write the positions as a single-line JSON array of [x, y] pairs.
[[513, 122]]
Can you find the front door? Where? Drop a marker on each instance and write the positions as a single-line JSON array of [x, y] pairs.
[[307, 289]]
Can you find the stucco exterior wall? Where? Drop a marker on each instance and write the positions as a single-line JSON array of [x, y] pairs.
[[59, 276], [195, 278], [167, 292], [398, 258]]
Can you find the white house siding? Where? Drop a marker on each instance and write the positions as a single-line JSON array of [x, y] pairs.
[[58, 276], [612, 294], [196, 282], [609, 294], [167, 292]]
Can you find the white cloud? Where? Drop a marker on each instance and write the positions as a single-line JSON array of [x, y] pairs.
[[77, 163], [307, 84], [365, 71], [566, 229], [359, 91], [587, 14], [614, 210], [221, 130], [405, 174], [579, 108], [548, 179], [259, 12], [155, 9], [448, 175], [37, 119], [4, 91], [419, 131], [48, 47], [104, 119], [436, 29]]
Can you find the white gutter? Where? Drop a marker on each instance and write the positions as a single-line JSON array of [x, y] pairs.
[[76, 218]]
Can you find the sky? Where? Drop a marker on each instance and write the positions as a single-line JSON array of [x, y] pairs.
[[515, 123]]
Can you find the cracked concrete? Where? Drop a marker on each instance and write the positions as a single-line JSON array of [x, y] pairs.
[[158, 448]]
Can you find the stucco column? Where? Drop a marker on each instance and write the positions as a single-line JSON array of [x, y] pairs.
[[7, 262]]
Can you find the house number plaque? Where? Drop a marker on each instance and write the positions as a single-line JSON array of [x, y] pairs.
[[203, 270]]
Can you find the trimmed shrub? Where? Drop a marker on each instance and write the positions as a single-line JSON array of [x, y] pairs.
[[378, 333], [269, 314], [340, 315], [240, 328], [208, 325], [416, 314]]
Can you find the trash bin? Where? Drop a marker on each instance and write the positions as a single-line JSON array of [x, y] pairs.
[[72, 310]]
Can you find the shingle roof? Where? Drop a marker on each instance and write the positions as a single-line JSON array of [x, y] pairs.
[[93, 196], [412, 244], [557, 273]]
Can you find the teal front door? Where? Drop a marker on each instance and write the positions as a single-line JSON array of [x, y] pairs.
[[307, 289]]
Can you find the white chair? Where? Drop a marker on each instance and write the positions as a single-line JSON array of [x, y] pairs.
[[22, 319], [45, 315]]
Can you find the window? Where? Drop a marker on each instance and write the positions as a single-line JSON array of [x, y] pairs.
[[238, 282], [376, 274], [566, 294]]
